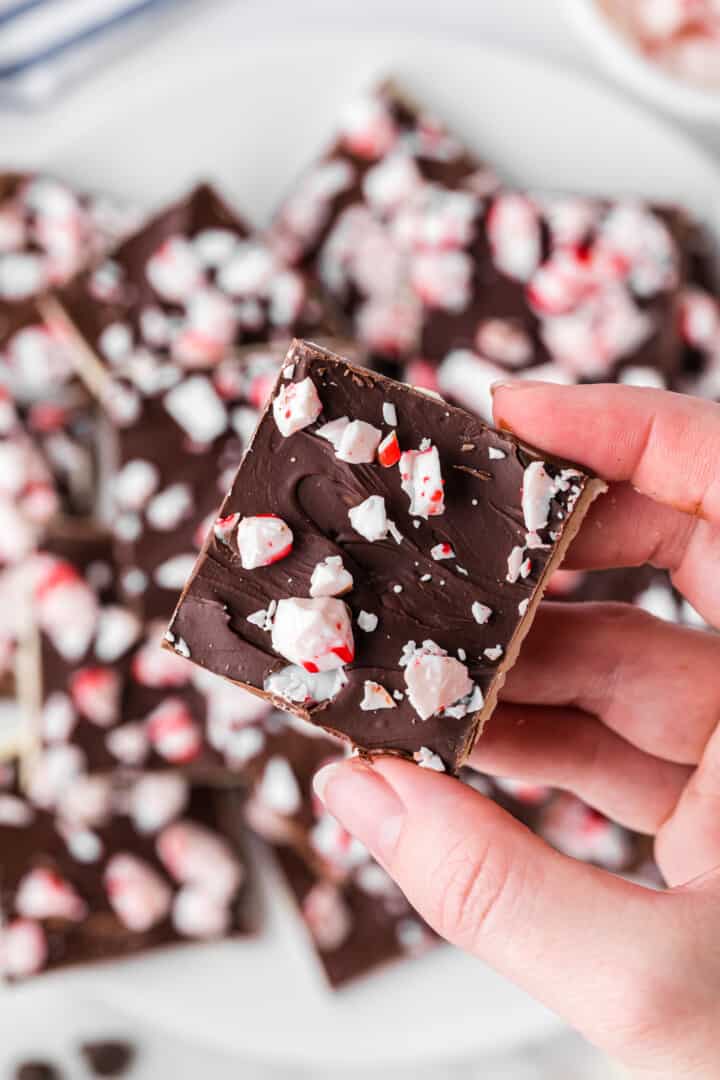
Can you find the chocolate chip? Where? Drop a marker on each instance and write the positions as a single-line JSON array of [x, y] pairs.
[[110, 1058], [37, 1070]]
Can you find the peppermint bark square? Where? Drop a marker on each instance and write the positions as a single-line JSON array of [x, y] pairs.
[[100, 692], [378, 560], [567, 289], [131, 864], [391, 192]]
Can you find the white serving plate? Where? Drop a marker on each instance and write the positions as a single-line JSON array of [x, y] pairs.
[[250, 116]]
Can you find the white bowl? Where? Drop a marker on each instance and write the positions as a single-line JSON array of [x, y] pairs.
[[629, 67]]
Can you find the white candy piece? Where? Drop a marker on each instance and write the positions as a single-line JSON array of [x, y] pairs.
[[369, 518], [375, 697], [296, 406], [156, 799], [174, 270], [389, 413], [43, 894], [198, 913], [327, 916], [96, 694], [53, 772], [315, 633], [279, 790], [23, 948], [435, 680], [195, 406], [355, 441], [128, 743], [494, 653], [518, 565], [330, 578], [513, 229], [296, 684], [263, 540], [537, 492], [333, 430], [367, 621], [86, 802], [481, 613], [426, 759], [117, 631], [174, 572], [442, 551], [137, 894], [57, 719], [172, 731], [15, 812], [196, 856], [421, 480], [169, 507], [66, 609], [468, 377], [135, 484]]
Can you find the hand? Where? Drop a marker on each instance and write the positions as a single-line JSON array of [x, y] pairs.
[[616, 706]]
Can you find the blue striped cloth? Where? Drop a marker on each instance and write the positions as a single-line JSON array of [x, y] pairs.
[[46, 43]]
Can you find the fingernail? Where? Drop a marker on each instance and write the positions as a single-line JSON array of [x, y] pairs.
[[499, 384], [364, 803]]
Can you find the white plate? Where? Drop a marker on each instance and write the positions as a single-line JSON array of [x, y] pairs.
[[250, 118]]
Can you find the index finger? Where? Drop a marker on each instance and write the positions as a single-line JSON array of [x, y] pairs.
[[666, 445]]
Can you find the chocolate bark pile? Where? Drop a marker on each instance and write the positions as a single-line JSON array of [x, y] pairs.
[[136, 359]]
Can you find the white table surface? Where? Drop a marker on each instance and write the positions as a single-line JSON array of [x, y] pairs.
[[536, 26]]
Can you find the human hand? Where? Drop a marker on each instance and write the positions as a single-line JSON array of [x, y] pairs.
[[619, 708]]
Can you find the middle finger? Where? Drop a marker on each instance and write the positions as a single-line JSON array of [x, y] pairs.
[[655, 684]]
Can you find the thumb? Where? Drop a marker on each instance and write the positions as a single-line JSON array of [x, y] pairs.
[[584, 943]]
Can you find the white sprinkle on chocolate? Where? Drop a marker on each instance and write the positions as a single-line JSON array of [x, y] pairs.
[[426, 759], [493, 654], [367, 621], [389, 413], [426, 577], [397, 588], [375, 697], [481, 613], [496, 455]]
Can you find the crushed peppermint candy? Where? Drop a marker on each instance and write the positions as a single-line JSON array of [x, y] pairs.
[[421, 480], [263, 540], [316, 633], [367, 621], [330, 578], [426, 759], [481, 613], [296, 406], [375, 697], [442, 551], [434, 680], [369, 518], [493, 653]]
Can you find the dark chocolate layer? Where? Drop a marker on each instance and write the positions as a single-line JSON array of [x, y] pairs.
[[301, 480]]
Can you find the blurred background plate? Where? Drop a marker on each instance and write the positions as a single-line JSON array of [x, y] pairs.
[[250, 118]]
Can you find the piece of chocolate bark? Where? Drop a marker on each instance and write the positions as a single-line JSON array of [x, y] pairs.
[[100, 692], [378, 560], [48, 233], [556, 288], [126, 866], [391, 180], [158, 328], [357, 927]]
